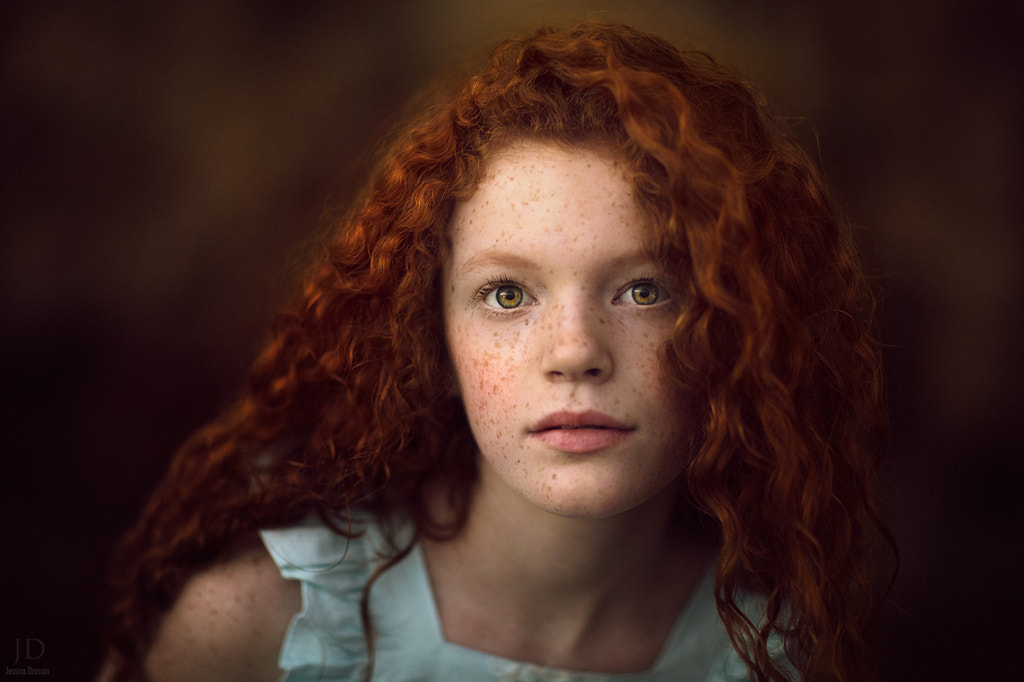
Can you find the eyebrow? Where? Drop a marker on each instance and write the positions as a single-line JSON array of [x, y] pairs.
[[496, 257]]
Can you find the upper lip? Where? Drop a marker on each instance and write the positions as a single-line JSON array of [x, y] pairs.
[[576, 420]]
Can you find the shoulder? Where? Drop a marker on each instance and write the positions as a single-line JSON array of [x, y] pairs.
[[229, 621]]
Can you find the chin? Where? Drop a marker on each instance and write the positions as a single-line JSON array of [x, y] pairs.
[[600, 504]]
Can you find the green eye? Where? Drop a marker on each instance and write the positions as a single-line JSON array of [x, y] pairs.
[[645, 294], [509, 296]]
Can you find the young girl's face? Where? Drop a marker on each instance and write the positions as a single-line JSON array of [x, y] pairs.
[[555, 316]]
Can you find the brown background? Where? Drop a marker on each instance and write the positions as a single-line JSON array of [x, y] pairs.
[[162, 169]]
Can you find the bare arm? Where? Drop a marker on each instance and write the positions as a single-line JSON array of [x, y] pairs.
[[228, 623]]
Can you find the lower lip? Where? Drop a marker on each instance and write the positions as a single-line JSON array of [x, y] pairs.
[[580, 441]]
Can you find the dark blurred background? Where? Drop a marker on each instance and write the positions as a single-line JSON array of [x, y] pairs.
[[163, 168]]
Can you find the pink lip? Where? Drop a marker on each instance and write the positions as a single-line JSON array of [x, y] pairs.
[[579, 432]]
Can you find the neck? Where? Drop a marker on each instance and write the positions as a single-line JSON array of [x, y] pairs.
[[563, 585], [562, 555]]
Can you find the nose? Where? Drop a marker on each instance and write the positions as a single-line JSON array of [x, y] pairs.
[[578, 348]]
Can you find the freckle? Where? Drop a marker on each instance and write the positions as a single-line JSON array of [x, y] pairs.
[[554, 476]]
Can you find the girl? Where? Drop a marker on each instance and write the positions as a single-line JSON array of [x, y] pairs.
[[581, 389]]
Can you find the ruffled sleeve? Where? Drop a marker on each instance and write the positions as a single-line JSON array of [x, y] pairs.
[[325, 640]]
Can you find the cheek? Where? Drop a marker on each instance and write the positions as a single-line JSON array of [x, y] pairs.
[[667, 402], [487, 377], [490, 397], [486, 370]]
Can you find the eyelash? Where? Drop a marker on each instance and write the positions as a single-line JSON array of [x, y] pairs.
[[489, 287], [493, 283], [504, 281], [638, 281]]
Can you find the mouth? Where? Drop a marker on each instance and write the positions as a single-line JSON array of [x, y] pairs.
[[580, 433], [570, 421]]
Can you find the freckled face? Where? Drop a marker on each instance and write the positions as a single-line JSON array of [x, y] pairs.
[[554, 317]]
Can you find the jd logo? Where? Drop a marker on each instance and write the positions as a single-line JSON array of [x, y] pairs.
[[32, 650]]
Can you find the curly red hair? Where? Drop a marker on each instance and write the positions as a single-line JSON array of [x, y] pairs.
[[351, 402]]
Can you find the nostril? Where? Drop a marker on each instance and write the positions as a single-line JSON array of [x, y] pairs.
[[577, 353]]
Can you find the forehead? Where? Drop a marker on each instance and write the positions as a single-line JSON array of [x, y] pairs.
[[534, 164], [535, 198]]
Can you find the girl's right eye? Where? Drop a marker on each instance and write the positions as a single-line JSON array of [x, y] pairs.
[[505, 296], [509, 297]]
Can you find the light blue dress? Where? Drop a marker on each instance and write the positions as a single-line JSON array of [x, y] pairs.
[[325, 639]]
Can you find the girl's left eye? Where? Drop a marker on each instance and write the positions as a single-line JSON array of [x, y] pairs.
[[642, 293], [645, 293]]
